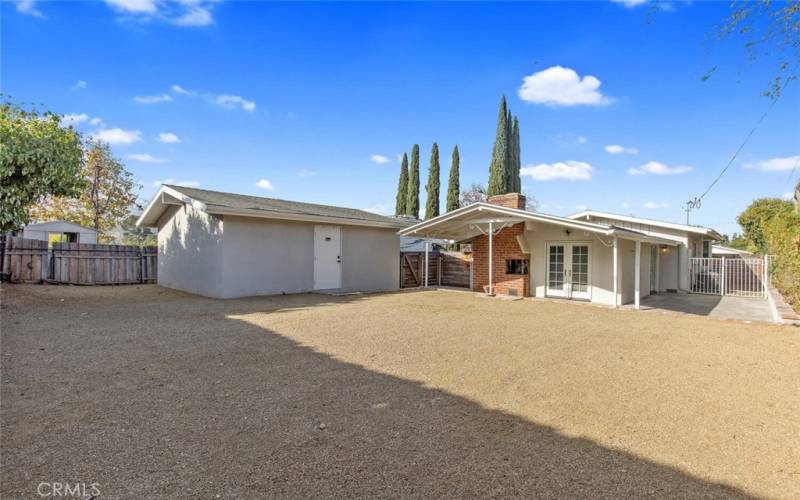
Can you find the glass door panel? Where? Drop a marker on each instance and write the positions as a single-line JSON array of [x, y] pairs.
[[556, 262]]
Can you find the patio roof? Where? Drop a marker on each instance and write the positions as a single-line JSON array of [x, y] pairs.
[[468, 222]]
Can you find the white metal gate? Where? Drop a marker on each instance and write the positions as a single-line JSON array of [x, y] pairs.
[[729, 276]]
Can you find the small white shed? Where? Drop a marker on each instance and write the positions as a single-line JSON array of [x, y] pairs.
[[59, 231]]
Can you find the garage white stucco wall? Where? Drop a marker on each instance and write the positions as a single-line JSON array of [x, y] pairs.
[[190, 251], [258, 256]]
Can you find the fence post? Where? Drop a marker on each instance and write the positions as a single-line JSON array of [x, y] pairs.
[[722, 280], [766, 275]]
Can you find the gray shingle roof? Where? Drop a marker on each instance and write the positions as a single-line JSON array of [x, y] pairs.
[[218, 199]]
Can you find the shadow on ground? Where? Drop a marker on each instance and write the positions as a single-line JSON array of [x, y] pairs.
[[180, 401]]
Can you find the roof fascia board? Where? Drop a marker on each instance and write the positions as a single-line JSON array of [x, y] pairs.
[[265, 214], [648, 222]]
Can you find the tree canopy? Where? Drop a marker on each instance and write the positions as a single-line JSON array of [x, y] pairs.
[[412, 197], [504, 167], [38, 158], [453, 187], [402, 188], [105, 203]]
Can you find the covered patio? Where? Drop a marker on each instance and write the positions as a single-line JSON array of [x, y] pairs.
[[522, 253]]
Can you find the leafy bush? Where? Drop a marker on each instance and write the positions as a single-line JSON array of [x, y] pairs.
[[773, 227]]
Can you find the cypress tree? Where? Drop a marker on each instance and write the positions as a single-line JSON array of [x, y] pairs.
[[453, 188], [498, 168], [412, 196], [516, 158], [432, 189], [402, 188]]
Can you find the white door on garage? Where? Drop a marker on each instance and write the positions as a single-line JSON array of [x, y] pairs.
[[327, 257]]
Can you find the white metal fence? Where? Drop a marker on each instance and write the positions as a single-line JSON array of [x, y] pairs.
[[729, 276]]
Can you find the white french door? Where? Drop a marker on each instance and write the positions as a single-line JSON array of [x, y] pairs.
[[569, 270]]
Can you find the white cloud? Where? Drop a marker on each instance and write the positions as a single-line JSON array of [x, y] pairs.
[[176, 183], [379, 159], [379, 209], [306, 173], [73, 119], [29, 7], [168, 138], [654, 205], [180, 90], [96, 121], [265, 184], [787, 196], [570, 170], [134, 6], [80, 84], [630, 3], [152, 99], [146, 158], [776, 164], [194, 16], [235, 101], [616, 149], [560, 86], [658, 168], [118, 136], [184, 13], [582, 139]]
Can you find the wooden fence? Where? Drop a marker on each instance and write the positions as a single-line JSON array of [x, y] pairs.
[[444, 269], [30, 261]]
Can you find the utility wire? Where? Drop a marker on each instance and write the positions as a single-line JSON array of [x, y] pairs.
[[746, 139]]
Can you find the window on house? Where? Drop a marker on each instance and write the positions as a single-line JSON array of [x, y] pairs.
[[706, 248], [61, 238], [516, 266]]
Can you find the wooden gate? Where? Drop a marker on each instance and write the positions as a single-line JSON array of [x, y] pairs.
[[444, 269], [30, 261]]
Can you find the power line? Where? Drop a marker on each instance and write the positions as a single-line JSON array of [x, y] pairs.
[[696, 202]]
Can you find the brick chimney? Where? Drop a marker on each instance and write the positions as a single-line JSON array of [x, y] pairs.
[[509, 200]]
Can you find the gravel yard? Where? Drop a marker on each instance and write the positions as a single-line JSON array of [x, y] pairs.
[[150, 392]]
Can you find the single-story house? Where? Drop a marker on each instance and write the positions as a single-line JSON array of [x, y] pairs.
[[59, 231], [594, 256], [230, 245]]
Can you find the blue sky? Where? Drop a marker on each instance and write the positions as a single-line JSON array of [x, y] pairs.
[[318, 99]]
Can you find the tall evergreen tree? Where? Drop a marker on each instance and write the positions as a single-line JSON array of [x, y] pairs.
[[453, 188], [432, 189], [498, 168], [412, 196], [402, 188], [516, 158]]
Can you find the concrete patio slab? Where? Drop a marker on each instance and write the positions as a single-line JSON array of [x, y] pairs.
[[727, 307]]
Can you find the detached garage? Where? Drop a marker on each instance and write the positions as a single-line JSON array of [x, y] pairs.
[[228, 245]]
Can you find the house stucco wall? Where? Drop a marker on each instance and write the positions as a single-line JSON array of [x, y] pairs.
[[190, 245], [601, 278]]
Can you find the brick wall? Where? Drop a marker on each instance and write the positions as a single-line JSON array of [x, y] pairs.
[[504, 246]]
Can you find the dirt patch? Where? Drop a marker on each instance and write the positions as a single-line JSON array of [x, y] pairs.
[[151, 392]]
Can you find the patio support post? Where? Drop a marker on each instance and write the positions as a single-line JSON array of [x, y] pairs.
[[766, 276], [491, 231], [427, 243], [616, 272], [637, 292], [722, 279]]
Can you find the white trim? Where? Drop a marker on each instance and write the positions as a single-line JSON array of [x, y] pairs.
[[637, 276], [650, 222], [516, 215], [615, 272]]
